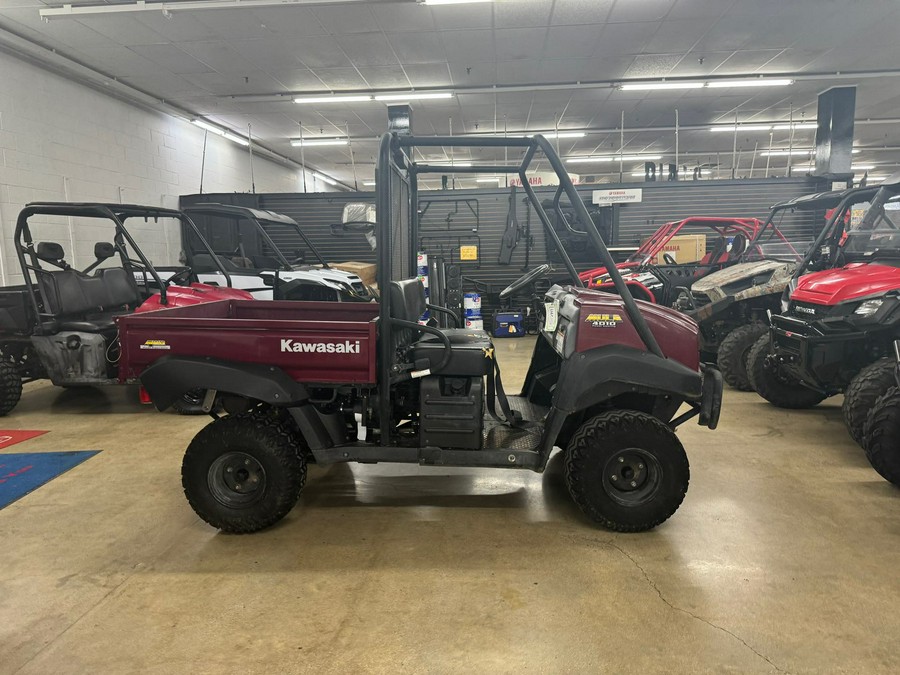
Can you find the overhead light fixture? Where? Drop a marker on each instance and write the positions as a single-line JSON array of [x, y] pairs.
[[613, 158], [414, 96], [324, 179], [564, 134], [336, 98], [741, 127], [309, 142], [785, 153], [461, 164], [236, 139], [369, 183], [651, 86], [797, 126], [862, 167], [450, 2], [712, 84], [639, 174], [750, 82], [219, 131], [495, 179]]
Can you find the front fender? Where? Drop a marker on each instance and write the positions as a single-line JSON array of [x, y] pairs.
[[589, 378], [168, 378]]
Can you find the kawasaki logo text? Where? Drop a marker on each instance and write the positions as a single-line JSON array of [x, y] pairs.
[[345, 347]]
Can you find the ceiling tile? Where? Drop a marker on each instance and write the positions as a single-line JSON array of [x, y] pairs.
[[171, 58], [468, 46], [338, 79], [124, 30], [271, 54], [521, 14], [578, 12], [235, 24], [652, 65], [572, 41], [428, 74], [645, 10], [181, 28], [385, 77], [417, 47], [298, 79], [368, 49], [218, 56], [519, 43], [474, 17], [398, 17], [339, 20], [478, 74]]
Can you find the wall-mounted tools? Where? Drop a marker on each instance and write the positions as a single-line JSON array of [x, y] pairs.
[[512, 232]]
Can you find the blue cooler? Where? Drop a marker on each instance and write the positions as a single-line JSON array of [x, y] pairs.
[[509, 324]]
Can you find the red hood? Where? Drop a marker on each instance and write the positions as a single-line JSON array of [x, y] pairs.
[[181, 296], [857, 280]]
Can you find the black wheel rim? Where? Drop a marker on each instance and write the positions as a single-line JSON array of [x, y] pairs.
[[631, 477], [236, 480]]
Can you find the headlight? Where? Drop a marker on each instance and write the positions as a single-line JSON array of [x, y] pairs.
[[869, 307]]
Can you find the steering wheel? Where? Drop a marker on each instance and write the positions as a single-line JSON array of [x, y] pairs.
[[669, 260], [522, 282], [181, 278]]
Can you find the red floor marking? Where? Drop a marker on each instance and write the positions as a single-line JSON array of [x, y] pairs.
[[11, 437]]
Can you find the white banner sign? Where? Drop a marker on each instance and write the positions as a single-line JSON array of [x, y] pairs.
[[630, 196]]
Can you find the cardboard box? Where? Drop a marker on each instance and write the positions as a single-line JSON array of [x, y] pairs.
[[685, 248], [365, 271]]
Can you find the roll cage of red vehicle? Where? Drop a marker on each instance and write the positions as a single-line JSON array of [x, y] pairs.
[[735, 238], [369, 383]]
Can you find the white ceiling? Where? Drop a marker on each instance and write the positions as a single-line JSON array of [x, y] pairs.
[[239, 66]]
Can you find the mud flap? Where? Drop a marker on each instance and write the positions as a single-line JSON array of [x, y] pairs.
[[711, 401]]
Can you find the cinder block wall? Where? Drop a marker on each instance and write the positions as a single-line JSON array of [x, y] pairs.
[[61, 141]]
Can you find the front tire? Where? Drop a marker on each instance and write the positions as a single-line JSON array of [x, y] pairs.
[[10, 387], [626, 470], [881, 437], [867, 387], [733, 353], [243, 473], [774, 384]]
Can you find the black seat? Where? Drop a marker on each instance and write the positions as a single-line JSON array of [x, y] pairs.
[[468, 355], [83, 303]]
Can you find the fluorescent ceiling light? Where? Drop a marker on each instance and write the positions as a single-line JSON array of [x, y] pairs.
[[741, 127], [324, 179], [236, 139], [369, 183], [564, 134], [760, 82], [797, 126], [450, 2], [785, 153], [613, 158], [650, 86], [462, 164], [337, 98], [414, 95], [639, 174], [495, 179], [212, 128], [862, 167], [309, 142]]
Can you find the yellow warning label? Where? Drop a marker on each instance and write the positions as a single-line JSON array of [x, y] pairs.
[[468, 253], [155, 344], [604, 320]]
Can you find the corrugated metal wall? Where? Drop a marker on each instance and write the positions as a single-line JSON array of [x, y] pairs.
[[449, 221]]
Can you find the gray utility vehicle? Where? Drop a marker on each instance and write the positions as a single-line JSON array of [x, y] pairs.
[[732, 305], [266, 254]]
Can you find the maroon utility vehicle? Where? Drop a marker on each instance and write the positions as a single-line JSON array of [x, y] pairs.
[[610, 378]]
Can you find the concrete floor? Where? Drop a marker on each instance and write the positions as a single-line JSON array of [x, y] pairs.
[[784, 557]]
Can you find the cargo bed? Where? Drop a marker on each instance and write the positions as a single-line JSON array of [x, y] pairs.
[[331, 342]]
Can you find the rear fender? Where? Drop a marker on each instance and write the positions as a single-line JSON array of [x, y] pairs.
[[171, 376]]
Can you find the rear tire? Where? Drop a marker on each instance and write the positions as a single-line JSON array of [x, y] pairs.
[[867, 387], [733, 353], [881, 437], [243, 473], [10, 387], [775, 385], [626, 470]]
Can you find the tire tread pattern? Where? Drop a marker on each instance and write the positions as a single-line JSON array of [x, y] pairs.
[[732, 357], [867, 387], [10, 387], [577, 455], [284, 445], [881, 437]]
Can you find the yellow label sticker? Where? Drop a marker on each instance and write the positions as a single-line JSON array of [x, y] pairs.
[[155, 344], [468, 253], [604, 320]]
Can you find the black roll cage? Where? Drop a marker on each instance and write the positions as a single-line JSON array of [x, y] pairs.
[[394, 162], [834, 227], [118, 214], [258, 217]]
